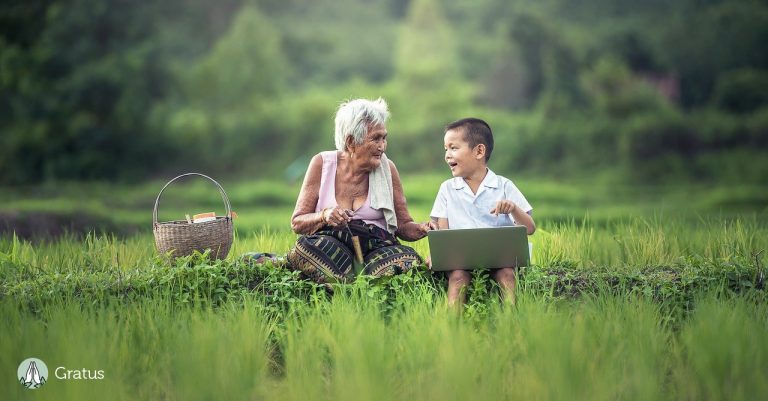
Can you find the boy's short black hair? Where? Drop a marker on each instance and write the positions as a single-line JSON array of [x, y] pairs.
[[476, 131]]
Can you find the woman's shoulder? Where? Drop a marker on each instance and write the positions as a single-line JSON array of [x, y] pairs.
[[316, 160], [328, 155], [325, 157]]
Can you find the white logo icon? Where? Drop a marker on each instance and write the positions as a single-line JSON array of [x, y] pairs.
[[33, 373]]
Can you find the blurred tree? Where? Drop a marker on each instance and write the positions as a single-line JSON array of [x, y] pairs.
[[426, 56], [427, 90], [73, 119], [331, 41], [81, 88], [613, 89], [22, 21], [245, 64], [629, 44], [506, 86], [225, 96], [92, 89], [742, 90], [480, 29], [702, 41], [657, 147], [427, 80], [551, 66]]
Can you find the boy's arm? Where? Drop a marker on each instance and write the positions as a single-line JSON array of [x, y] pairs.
[[521, 217]]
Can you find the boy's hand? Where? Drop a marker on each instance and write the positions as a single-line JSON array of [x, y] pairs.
[[504, 206], [428, 226], [428, 262]]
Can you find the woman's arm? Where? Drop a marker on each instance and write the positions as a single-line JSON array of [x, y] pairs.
[[407, 229], [304, 219]]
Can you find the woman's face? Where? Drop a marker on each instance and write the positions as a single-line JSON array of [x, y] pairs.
[[374, 145]]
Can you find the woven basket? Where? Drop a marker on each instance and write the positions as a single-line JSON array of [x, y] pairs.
[[180, 238]]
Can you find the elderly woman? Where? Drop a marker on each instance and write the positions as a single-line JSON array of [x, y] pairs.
[[354, 191]]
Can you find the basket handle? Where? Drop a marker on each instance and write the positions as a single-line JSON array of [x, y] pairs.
[[224, 196]]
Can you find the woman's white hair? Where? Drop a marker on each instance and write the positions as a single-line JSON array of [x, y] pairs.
[[353, 118]]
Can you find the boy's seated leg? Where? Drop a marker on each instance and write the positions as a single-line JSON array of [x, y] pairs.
[[506, 279], [457, 288]]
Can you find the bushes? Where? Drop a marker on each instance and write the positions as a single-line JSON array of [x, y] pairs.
[[663, 145], [193, 280], [650, 145], [741, 90]]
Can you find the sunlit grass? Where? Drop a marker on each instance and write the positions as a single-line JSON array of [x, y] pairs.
[[261, 203], [204, 330], [602, 348], [641, 242], [635, 242]]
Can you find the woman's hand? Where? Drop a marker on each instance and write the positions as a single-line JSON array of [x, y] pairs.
[[336, 216], [423, 228]]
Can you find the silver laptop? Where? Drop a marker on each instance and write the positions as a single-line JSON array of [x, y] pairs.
[[479, 248]]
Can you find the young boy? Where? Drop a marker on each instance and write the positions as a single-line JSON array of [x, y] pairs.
[[477, 197]]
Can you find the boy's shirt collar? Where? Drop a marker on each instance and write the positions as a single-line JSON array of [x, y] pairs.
[[491, 180]]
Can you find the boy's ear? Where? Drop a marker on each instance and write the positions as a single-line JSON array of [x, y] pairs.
[[479, 151]]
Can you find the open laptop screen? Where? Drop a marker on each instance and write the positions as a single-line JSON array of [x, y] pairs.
[[479, 248]]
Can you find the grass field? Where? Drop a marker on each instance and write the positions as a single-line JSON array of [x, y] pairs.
[[601, 348], [635, 293], [127, 209]]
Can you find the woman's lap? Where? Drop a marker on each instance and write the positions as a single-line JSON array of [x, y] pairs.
[[390, 260], [321, 257], [327, 256]]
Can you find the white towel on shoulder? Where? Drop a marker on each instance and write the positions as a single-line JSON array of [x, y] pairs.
[[382, 193]]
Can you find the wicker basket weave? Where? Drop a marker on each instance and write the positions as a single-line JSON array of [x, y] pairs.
[[180, 238]]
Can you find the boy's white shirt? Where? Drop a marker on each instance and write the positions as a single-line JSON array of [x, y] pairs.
[[463, 209]]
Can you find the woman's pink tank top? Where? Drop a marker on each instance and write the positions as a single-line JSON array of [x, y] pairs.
[[328, 194]]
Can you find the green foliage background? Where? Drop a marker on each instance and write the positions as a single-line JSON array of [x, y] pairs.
[[639, 91], [637, 129]]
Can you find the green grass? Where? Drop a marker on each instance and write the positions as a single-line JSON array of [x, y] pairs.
[[602, 348], [631, 296], [633, 242], [260, 203]]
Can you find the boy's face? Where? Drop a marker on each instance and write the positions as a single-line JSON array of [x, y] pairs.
[[463, 160]]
